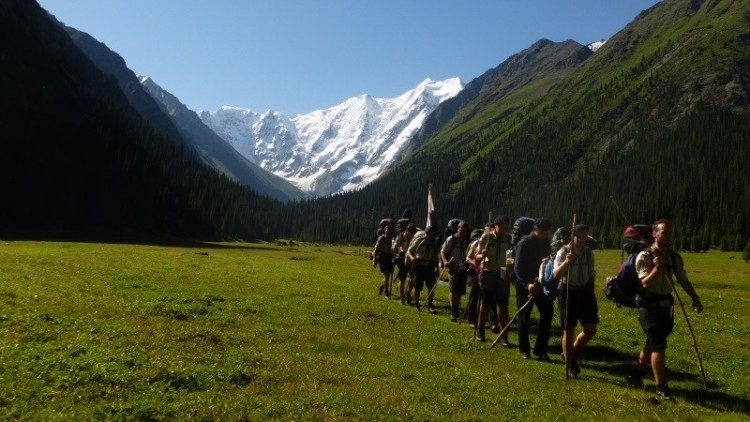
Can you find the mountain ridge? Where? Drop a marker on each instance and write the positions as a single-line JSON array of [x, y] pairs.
[[172, 119], [343, 147]]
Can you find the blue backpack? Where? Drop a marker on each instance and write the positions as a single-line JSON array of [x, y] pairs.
[[550, 285]]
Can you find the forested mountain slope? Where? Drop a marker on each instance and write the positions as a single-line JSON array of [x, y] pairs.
[[657, 118], [76, 159], [165, 113]]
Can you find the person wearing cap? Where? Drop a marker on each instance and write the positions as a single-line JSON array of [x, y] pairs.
[[423, 253], [453, 254], [400, 246], [578, 264], [495, 287], [530, 252], [383, 255]]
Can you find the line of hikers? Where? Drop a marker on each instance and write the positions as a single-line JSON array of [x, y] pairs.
[[490, 260]]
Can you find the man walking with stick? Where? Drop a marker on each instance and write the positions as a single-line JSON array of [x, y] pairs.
[[655, 267], [529, 254], [574, 267]]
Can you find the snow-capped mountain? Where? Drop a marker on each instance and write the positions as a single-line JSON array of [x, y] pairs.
[[338, 149], [596, 45]]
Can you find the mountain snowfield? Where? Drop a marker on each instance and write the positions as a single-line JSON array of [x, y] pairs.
[[596, 45], [337, 149]]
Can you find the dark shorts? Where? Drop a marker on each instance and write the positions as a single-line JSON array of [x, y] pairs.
[[424, 275], [385, 262], [495, 288], [403, 270], [657, 321], [457, 282], [583, 307]]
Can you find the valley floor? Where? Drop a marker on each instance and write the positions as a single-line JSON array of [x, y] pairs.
[[260, 331]]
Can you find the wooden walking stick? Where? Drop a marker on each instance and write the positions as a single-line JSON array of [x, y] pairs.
[[567, 308], [504, 331], [704, 384], [442, 273]]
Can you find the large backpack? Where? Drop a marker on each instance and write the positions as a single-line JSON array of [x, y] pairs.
[[550, 284], [401, 224], [623, 288], [561, 238], [418, 238]]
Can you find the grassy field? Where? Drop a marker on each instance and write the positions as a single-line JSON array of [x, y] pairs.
[[259, 331]]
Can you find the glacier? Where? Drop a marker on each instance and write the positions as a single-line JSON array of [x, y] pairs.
[[337, 149]]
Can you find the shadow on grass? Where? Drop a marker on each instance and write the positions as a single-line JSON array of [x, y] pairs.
[[93, 235]]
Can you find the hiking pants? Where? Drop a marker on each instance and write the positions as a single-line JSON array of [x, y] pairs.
[[546, 312]]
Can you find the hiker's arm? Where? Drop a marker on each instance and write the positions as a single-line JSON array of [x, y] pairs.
[[562, 262], [445, 248], [681, 276]]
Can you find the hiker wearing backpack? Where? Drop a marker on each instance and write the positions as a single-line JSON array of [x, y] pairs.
[[423, 254], [494, 284], [453, 254], [400, 246], [383, 256], [578, 264], [655, 267], [530, 252]]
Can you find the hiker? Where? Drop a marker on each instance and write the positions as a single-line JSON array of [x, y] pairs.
[[423, 254], [529, 254], [575, 270], [472, 305], [656, 266], [400, 246], [453, 254], [495, 286], [383, 256]]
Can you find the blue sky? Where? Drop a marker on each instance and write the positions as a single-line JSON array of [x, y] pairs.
[[298, 56]]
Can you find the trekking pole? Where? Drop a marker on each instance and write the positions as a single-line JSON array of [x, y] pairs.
[[504, 331], [621, 211], [567, 307], [390, 283], [442, 273], [692, 334]]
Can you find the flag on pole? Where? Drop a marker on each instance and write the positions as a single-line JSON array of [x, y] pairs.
[[430, 204]]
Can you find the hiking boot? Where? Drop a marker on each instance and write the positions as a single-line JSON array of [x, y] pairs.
[[495, 329], [635, 379], [543, 357], [575, 368], [572, 374], [663, 393], [479, 336], [525, 355], [504, 341]]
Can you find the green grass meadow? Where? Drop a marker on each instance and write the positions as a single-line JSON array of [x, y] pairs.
[[258, 331]]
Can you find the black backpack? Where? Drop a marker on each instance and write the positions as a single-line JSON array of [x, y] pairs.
[[623, 288]]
